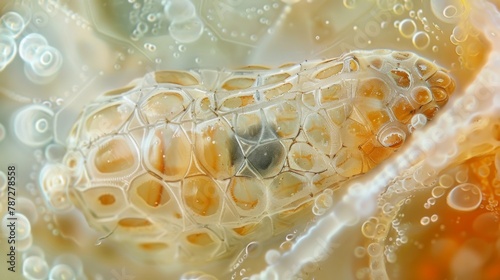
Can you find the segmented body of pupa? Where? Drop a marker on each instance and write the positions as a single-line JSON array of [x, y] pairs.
[[186, 164]]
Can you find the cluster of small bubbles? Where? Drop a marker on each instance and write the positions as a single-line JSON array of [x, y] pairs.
[[465, 197], [150, 47], [35, 267], [53, 182], [323, 202], [33, 125]]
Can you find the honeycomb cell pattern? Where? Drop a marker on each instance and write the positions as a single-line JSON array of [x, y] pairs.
[[187, 164]]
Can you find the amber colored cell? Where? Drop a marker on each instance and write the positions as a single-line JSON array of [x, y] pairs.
[[421, 95], [284, 118], [274, 79], [216, 149], [286, 185], [176, 77], [134, 222], [238, 101], [440, 95], [439, 79], [332, 93], [425, 68], [119, 91], [309, 99], [348, 162], [378, 118], [169, 152], [402, 55], [354, 133], [318, 133], [330, 71], [352, 65], [402, 109], [114, 156], [373, 88], [245, 230], [376, 154], [255, 67], [401, 78], [277, 91], [430, 112], [376, 63], [163, 106], [108, 120], [200, 239], [153, 246], [107, 199], [238, 83], [201, 195], [153, 193], [246, 192]]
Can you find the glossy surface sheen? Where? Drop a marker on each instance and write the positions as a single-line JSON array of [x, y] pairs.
[[184, 164]]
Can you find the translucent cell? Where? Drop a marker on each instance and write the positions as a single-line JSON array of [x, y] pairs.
[[148, 189], [465, 197], [47, 61], [175, 77], [61, 272], [401, 78], [35, 268], [201, 195], [267, 159], [33, 125], [186, 31], [248, 194], [8, 50], [391, 136], [284, 118], [321, 135], [303, 157], [114, 156], [373, 88], [30, 46], [108, 119], [104, 201], [287, 185], [13, 23], [217, 149], [348, 162], [163, 106]]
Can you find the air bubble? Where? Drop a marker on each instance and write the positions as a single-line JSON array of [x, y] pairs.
[[418, 121], [47, 62], [421, 40], [398, 9], [425, 221], [459, 34], [447, 11], [434, 218], [350, 4], [374, 249], [407, 28], [465, 197], [272, 256], [179, 10], [72, 261], [28, 128], [8, 49], [30, 45], [61, 272], [13, 23], [437, 192], [35, 268], [187, 31]]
